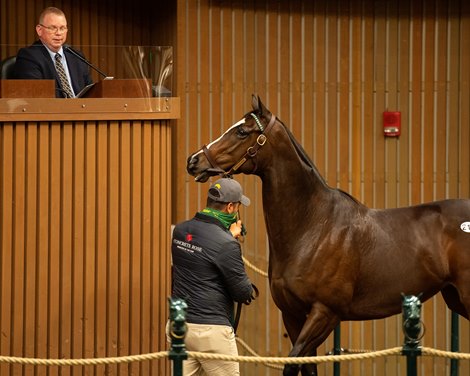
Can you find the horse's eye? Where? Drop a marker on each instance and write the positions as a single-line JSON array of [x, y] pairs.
[[241, 132]]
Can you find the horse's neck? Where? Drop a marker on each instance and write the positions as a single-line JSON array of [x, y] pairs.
[[293, 195], [290, 213], [290, 188], [291, 179]]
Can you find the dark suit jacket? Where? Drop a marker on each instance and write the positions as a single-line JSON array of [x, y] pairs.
[[34, 62]]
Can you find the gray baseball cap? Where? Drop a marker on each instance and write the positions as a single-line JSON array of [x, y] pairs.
[[228, 190]]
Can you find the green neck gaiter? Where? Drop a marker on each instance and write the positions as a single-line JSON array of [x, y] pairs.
[[225, 218]]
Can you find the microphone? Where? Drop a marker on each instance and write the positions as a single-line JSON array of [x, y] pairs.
[[66, 47]]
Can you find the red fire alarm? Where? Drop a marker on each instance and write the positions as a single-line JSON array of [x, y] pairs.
[[392, 123]]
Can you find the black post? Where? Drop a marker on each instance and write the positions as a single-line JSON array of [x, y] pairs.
[[337, 349], [454, 344], [177, 352], [411, 363]]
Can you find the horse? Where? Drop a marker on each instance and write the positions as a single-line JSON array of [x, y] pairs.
[[331, 258]]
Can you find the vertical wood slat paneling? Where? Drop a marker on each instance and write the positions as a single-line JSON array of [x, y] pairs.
[[66, 218], [136, 257], [405, 56], [416, 110], [100, 276], [18, 243], [90, 236], [43, 286], [113, 246], [465, 100], [161, 192], [79, 231], [31, 256], [78, 246], [54, 255], [146, 195], [124, 282], [6, 190]]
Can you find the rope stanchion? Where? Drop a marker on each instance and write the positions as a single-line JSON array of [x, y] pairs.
[[178, 353], [178, 330]]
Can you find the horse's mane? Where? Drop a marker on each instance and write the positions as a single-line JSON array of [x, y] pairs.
[[307, 160], [302, 154]]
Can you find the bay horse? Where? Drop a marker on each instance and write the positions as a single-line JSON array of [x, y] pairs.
[[331, 258]]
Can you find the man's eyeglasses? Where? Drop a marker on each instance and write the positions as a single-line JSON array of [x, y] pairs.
[[55, 29]]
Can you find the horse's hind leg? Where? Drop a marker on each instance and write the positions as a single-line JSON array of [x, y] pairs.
[[457, 293], [319, 324], [293, 326]]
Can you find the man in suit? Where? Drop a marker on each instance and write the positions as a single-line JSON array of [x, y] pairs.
[[47, 59]]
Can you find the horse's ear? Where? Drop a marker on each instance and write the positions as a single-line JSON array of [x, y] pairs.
[[255, 102], [420, 295], [258, 105]]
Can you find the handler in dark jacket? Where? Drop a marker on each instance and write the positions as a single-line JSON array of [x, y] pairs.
[[209, 274]]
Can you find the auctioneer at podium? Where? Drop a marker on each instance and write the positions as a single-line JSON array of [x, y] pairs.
[[48, 58]]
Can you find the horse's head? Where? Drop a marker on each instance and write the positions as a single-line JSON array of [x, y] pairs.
[[236, 150]]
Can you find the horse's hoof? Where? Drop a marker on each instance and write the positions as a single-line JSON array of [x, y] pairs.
[[309, 373], [309, 370], [291, 370]]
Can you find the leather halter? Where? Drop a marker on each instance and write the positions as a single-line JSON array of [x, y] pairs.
[[214, 166], [250, 152]]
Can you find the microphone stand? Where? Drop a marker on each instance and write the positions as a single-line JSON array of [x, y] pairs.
[[73, 52]]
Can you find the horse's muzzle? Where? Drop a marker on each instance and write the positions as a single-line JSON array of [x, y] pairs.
[[197, 168], [192, 164]]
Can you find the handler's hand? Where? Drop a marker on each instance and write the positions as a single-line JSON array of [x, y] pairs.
[[254, 294], [236, 229]]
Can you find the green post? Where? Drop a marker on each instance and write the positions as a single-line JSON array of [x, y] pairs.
[[178, 328], [454, 344], [337, 349], [412, 330]]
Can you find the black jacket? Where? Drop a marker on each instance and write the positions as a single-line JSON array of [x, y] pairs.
[[208, 270], [34, 62]]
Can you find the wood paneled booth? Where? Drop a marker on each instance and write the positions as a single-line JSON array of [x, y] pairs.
[[85, 193], [85, 198]]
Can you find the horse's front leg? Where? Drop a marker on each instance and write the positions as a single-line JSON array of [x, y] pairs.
[[318, 325]]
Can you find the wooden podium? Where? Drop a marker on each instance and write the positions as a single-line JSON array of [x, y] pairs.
[[114, 88], [27, 88], [121, 88]]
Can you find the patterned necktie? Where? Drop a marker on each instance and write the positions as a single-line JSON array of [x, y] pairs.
[[63, 77]]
